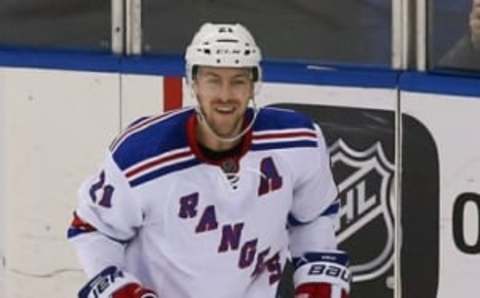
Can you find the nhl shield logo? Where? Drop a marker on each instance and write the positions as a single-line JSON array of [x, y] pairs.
[[365, 225]]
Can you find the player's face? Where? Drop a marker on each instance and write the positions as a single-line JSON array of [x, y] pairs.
[[223, 94]]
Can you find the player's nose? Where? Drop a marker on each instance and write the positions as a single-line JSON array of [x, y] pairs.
[[225, 93]]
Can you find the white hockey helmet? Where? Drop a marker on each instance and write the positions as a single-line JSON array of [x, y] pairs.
[[223, 45]]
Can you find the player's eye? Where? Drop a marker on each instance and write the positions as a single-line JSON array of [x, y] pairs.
[[240, 82], [213, 81]]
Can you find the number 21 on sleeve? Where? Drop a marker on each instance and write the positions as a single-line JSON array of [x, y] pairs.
[[101, 193]]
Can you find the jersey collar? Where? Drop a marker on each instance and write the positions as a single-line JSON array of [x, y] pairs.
[[192, 125]]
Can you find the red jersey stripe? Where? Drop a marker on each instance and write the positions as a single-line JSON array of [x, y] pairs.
[[157, 162]]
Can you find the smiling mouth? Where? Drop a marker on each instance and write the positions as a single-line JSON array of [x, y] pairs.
[[225, 110]]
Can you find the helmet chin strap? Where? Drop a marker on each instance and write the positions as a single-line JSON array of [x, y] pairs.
[[203, 119]]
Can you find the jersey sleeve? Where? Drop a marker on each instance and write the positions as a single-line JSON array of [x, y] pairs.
[[106, 201], [108, 216], [314, 209], [315, 190]]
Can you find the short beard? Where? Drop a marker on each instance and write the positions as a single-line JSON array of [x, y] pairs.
[[211, 125]]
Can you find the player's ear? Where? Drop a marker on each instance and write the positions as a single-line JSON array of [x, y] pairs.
[[195, 74], [194, 86], [252, 90]]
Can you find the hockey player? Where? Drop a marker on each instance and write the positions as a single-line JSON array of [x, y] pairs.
[[211, 201]]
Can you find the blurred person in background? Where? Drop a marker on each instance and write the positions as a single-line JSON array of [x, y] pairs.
[[466, 52]]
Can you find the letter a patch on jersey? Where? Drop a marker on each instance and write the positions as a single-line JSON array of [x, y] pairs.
[[271, 179]]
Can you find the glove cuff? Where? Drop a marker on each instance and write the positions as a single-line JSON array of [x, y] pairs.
[[323, 272], [104, 284]]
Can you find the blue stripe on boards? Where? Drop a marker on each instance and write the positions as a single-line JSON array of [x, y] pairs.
[[60, 59], [295, 72], [440, 84]]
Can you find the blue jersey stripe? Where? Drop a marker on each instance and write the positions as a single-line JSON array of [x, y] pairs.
[[283, 145], [153, 140], [74, 232], [332, 209], [292, 221], [278, 119], [339, 257], [163, 171]]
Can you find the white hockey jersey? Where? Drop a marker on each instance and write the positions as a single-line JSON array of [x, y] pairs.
[[162, 211]]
